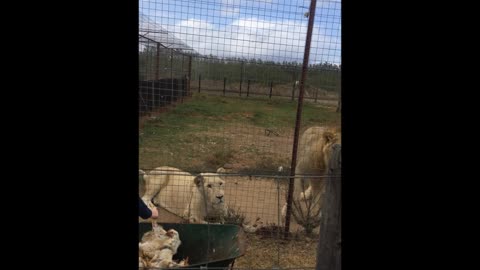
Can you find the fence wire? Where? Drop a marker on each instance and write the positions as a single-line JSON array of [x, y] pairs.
[[218, 91]]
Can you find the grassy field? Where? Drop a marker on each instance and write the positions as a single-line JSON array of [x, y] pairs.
[[206, 132]]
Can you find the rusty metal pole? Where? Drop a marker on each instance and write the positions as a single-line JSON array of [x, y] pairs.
[[224, 84], [308, 41], [241, 80], [199, 82], [293, 90], [271, 88]]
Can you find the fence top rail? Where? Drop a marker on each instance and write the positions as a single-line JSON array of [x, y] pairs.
[[170, 172]]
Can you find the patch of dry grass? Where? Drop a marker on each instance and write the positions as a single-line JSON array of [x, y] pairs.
[[207, 131]]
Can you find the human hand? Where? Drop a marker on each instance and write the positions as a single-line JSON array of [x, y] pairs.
[[154, 212]]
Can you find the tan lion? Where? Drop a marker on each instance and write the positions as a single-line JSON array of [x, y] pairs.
[[315, 146]]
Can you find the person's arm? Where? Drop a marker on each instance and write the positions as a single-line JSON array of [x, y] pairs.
[[143, 210]]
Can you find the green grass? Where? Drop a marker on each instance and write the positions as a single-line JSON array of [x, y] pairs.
[[178, 137]]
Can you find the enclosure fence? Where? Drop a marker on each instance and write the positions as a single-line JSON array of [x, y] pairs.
[[242, 92]]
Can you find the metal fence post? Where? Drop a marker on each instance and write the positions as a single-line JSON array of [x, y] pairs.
[[199, 82], [293, 90], [241, 79], [224, 84], [306, 55], [271, 87]]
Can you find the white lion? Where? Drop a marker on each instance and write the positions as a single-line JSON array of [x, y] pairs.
[[313, 156], [192, 197]]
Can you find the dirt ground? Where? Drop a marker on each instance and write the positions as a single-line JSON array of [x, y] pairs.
[[262, 148], [258, 198], [249, 142], [267, 252], [264, 198]]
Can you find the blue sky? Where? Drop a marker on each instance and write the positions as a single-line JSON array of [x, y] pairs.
[[266, 29]]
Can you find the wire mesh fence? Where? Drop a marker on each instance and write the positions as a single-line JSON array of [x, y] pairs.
[[237, 77], [253, 202], [221, 84], [164, 68]]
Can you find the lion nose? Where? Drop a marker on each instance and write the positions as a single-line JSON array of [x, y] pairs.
[[219, 197]]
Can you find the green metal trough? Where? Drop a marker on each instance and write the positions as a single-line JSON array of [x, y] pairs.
[[206, 245]]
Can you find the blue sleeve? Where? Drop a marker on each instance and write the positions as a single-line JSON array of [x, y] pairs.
[[143, 210]]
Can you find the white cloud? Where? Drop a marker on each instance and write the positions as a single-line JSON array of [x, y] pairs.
[[194, 23], [231, 8], [237, 2], [254, 23], [256, 38]]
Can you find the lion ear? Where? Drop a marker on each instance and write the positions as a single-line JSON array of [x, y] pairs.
[[221, 170], [328, 136], [198, 180]]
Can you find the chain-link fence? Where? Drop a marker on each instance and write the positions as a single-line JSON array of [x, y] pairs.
[[239, 104]]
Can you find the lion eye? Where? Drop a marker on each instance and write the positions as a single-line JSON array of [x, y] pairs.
[[209, 186], [221, 183]]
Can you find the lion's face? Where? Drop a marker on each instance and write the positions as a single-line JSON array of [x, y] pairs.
[[213, 187]]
